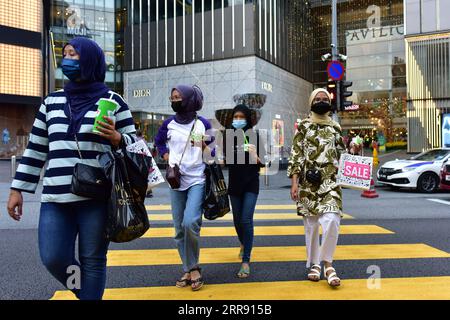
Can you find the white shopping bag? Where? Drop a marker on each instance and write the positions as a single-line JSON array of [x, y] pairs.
[[355, 172], [154, 177]]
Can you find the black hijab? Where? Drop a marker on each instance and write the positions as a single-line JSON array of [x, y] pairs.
[[247, 113]]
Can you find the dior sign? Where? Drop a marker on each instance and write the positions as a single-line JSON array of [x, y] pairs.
[[266, 86], [140, 93]]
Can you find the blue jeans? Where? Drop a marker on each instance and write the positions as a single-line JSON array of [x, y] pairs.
[[59, 225], [243, 210], [187, 219]]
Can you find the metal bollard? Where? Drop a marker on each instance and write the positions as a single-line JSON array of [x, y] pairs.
[[266, 176], [13, 166]]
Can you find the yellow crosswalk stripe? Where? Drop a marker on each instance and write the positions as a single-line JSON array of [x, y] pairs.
[[351, 289], [421, 288], [229, 216], [274, 254], [267, 231], [160, 207]]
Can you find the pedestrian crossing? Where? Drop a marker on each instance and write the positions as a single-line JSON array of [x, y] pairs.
[[123, 258], [162, 254], [424, 288], [266, 231], [229, 217]]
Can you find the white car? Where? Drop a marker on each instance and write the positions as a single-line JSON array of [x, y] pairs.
[[421, 171]]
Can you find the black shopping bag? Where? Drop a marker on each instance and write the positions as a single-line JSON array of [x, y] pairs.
[[216, 203], [127, 217]]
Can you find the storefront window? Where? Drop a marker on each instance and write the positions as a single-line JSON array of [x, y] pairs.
[[371, 35], [94, 19]]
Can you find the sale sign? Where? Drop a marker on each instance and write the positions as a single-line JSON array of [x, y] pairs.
[[355, 171]]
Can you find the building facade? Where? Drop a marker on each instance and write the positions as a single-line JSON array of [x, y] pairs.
[[100, 20], [428, 73], [266, 53], [258, 51], [21, 72], [371, 36]]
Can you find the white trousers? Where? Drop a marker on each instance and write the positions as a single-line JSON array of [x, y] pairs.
[[330, 223]]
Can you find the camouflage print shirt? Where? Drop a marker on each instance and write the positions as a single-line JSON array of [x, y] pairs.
[[317, 146]]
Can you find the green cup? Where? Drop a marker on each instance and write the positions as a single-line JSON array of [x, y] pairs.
[[106, 107]]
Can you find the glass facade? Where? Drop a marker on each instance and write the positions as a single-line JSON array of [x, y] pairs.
[[229, 48], [425, 16], [428, 60], [171, 32], [283, 34], [100, 20], [371, 35]]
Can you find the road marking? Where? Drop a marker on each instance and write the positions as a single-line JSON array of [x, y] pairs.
[[267, 231], [420, 288], [229, 216], [154, 257], [258, 207], [440, 201]]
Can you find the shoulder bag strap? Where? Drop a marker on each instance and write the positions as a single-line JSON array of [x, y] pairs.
[[75, 135], [188, 140]]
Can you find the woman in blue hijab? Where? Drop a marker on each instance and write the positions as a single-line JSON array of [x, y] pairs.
[[62, 135]]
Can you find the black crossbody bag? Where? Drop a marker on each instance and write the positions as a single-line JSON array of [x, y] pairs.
[[313, 176], [89, 181]]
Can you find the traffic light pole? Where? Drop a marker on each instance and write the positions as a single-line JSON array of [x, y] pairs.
[[335, 55]]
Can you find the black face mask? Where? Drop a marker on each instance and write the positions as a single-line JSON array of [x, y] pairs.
[[176, 106], [321, 107]]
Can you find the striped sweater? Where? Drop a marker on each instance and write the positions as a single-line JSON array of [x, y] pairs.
[[49, 141]]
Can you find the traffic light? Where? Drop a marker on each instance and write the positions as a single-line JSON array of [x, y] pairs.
[[331, 88], [344, 94]]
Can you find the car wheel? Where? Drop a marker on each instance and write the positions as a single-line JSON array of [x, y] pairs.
[[428, 182]]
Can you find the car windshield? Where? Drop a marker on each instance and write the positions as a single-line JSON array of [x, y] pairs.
[[432, 155]]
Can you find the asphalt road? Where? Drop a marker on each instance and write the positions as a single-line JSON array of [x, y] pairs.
[[409, 219]]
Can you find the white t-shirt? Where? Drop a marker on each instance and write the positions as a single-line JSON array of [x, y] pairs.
[[191, 167]]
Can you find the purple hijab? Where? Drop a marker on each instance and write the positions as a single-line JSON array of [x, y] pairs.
[[83, 95], [192, 98]]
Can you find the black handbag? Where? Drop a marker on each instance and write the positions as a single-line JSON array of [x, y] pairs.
[[313, 176], [173, 174], [216, 203], [89, 181], [127, 218]]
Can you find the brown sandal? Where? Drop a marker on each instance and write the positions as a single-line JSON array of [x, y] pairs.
[[196, 284], [183, 282]]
